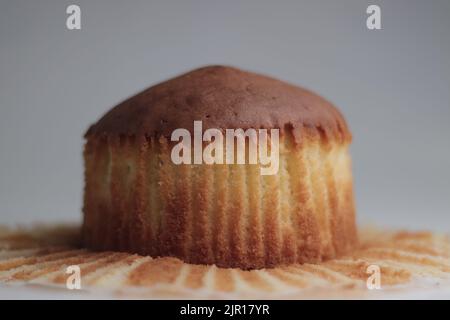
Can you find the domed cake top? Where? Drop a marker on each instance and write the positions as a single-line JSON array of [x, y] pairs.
[[221, 97]]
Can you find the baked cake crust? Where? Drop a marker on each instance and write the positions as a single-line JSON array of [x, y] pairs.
[[222, 97], [137, 200]]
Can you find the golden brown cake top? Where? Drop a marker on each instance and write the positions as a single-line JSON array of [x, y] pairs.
[[222, 97]]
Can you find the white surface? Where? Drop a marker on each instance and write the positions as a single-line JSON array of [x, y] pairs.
[[429, 291]]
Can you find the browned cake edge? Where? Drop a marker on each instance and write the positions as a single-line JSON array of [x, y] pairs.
[[412, 264]]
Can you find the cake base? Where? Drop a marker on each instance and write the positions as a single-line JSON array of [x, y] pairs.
[[412, 264]]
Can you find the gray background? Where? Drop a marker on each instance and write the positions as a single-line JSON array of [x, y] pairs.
[[393, 85]]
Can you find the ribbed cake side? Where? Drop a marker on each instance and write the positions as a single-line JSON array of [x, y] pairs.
[[138, 200]]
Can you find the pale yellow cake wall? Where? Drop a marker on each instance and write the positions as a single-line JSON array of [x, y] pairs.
[[137, 200]]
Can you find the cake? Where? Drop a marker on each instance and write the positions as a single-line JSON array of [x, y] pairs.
[[136, 199]]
